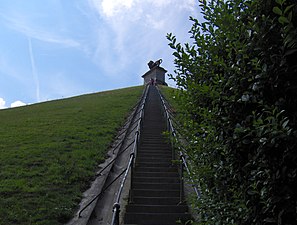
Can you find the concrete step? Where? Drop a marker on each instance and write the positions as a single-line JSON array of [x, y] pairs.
[[156, 200], [156, 186], [157, 150], [150, 154], [152, 141], [148, 137], [156, 218], [152, 130], [155, 174], [155, 193], [141, 168], [158, 133], [161, 180], [154, 164], [137, 208], [153, 126], [141, 159], [154, 144], [156, 156]]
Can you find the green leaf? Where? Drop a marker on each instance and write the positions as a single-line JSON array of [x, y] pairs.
[[280, 2], [283, 20], [176, 55], [285, 123], [288, 8], [290, 16], [277, 11], [290, 52], [270, 220]]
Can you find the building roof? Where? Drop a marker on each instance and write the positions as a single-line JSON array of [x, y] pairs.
[[157, 67]]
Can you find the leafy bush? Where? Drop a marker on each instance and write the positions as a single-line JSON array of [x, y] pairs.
[[238, 87]]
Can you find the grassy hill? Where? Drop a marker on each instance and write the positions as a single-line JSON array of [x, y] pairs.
[[49, 152], [170, 95]]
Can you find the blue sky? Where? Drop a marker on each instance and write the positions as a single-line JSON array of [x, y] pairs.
[[54, 49]]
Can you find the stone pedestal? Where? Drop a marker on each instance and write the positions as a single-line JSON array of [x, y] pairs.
[[157, 73]]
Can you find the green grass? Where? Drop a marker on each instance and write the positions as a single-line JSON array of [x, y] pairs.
[[49, 153], [170, 95]]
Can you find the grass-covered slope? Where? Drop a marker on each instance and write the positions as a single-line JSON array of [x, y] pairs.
[[49, 152], [170, 94]]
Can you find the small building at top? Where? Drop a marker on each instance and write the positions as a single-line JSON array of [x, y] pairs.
[[156, 73]]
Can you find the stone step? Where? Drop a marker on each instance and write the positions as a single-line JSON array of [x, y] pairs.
[[155, 193], [157, 186], [137, 208], [140, 168], [153, 133], [157, 149], [148, 137], [156, 174], [156, 218], [154, 164], [154, 143], [156, 200], [155, 124], [160, 180], [150, 154], [141, 159]]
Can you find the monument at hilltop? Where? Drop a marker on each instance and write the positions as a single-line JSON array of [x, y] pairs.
[[156, 72]]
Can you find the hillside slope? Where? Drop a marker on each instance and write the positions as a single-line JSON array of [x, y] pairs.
[[49, 152]]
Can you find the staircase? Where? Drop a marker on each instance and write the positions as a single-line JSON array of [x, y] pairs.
[[156, 184]]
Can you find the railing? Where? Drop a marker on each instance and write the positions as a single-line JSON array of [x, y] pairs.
[[182, 158], [140, 104], [130, 166]]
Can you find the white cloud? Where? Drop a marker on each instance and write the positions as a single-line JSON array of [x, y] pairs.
[[117, 8], [2, 103], [159, 3], [111, 8], [34, 71], [17, 104], [134, 32], [14, 104], [24, 25]]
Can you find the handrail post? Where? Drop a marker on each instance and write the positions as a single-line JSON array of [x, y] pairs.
[[131, 194], [172, 144], [116, 218], [181, 193]]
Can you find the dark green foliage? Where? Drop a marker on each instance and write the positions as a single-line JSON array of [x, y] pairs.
[[238, 84], [49, 153]]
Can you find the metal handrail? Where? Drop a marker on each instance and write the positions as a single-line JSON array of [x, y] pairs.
[[197, 191], [183, 160], [140, 103], [102, 192], [116, 206], [104, 168]]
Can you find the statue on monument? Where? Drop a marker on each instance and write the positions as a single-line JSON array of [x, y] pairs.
[[152, 64]]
